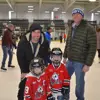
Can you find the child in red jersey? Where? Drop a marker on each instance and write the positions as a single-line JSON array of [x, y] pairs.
[[58, 76], [37, 85]]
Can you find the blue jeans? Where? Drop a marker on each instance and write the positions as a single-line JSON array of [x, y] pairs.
[[7, 50], [77, 67], [59, 98]]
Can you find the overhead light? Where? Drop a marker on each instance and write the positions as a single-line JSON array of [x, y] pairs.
[[55, 9], [30, 6], [10, 13], [30, 9], [63, 12], [92, 0], [47, 12], [98, 11], [92, 16], [52, 15]]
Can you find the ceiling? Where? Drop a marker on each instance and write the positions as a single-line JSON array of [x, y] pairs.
[[43, 5]]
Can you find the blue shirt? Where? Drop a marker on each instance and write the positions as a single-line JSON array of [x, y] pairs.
[[74, 26], [48, 37]]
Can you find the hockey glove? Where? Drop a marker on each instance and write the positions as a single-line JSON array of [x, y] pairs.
[[50, 97], [65, 90]]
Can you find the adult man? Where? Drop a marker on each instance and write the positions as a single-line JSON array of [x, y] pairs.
[[48, 34], [61, 37], [33, 44], [80, 49], [7, 44]]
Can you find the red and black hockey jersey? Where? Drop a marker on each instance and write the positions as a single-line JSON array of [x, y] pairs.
[[37, 88], [58, 77]]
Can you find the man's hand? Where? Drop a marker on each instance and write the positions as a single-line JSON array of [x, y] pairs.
[[23, 75], [15, 46], [86, 68]]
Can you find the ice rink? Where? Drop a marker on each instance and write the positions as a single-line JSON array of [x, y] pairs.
[[9, 80]]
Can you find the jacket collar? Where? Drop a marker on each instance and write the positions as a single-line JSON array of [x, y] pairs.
[[32, 75], [82, 22]]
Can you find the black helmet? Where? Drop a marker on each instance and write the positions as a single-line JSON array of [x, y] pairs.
[[37, 62], [57, 52]]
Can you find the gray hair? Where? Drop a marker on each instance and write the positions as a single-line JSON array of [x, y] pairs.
[[10, 25]]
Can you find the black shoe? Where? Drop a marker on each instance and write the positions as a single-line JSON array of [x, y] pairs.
[[3, 68], [99, 60], [11, 66]]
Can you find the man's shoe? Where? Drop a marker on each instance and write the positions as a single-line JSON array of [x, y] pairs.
[[11, 66], [3, 68]]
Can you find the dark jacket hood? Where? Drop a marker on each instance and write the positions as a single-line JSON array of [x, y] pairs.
[[28, 37], [34, 27]]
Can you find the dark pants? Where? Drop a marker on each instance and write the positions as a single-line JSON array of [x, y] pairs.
[[60, 39], [20, 95], [60, 98], [7, 50], [77, 68], [64, 40], [98, 53]]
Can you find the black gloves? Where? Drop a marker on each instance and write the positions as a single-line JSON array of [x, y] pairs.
[[65, 90], [50, 97]]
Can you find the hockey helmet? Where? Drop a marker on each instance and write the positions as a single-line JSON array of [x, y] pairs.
[[56, 56], [37, 66]]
